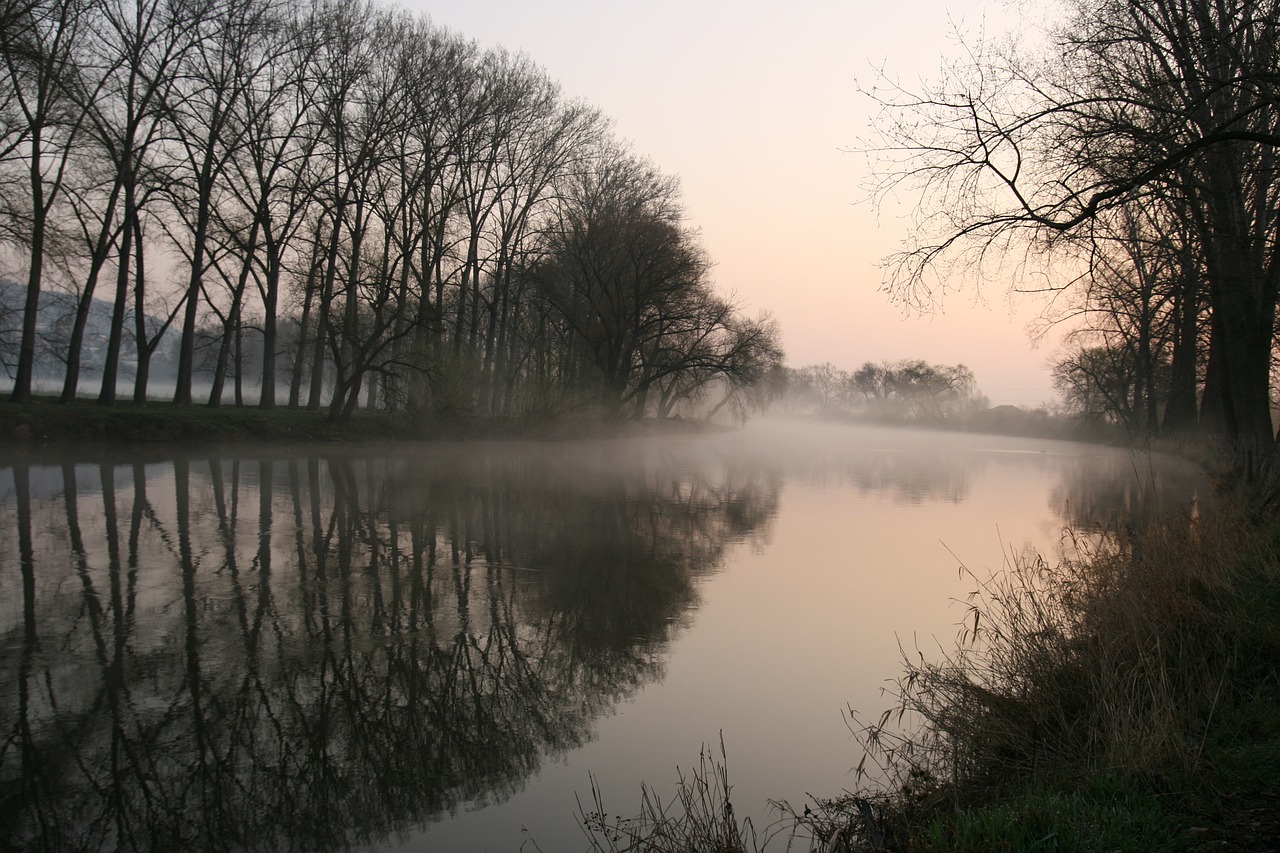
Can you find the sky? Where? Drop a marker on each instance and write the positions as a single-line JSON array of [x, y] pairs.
[[757, 109]]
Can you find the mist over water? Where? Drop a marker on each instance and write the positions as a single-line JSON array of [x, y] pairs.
[[430, 647]]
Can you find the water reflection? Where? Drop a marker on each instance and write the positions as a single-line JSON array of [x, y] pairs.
[[1095, 487], [317, 652], [908, 467], [1119, 489]]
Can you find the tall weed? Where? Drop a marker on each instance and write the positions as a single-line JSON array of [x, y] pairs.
[[1076, 706], [1115, 663], [698, 817]]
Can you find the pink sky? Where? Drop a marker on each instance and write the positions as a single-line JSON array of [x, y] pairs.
[[755, 108]]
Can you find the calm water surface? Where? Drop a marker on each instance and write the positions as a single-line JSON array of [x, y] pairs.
[[435, 648]]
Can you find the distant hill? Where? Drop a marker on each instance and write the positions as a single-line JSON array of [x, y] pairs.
[[53, 324]]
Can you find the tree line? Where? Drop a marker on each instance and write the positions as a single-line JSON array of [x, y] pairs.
[[1133, 146], [906, 390], [342, 205]]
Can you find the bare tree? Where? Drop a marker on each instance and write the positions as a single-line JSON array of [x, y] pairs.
[[138, 47], [1136, 292], [545, 141], [40, 41], [432, 224], [267, 182], [620, 263], [1132, 98], [214, 79], [1099, 382]]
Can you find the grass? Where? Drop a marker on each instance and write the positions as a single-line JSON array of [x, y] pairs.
[[1110, 701], [46, 422], [1126, 699], [698, 817]]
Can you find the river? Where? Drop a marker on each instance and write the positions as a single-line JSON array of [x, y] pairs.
[[439, 646]]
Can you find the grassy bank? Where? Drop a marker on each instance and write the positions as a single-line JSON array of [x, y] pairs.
[[1125, 700], [46, 422]]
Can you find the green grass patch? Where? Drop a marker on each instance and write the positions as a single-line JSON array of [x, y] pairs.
[[1109, 816], [1122, 700], [46, 422]]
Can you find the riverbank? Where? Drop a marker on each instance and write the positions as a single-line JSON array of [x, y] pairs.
[[47, 422], [1127, 699]]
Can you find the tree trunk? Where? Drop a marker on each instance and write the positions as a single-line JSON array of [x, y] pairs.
[[186, 346], [111, 364], [31, 306], [97, 259], [1244, 369], [1180, 415], [267, 397], [323, 310], [145, 348]]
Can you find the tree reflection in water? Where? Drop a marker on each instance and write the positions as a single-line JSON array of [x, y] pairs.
[[319, 652], [1109, 492]]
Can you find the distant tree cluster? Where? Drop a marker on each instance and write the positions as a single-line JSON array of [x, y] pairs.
[[1136, 148], [1140, 354], [342, 205], [909, 390]]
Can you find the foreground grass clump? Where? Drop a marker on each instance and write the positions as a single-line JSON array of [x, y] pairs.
[[1127, 699], [1099, 701], [1107, 815], [699, 817]]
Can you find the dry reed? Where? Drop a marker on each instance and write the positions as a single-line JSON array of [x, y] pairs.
[[698, 817], [1114, 663]]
